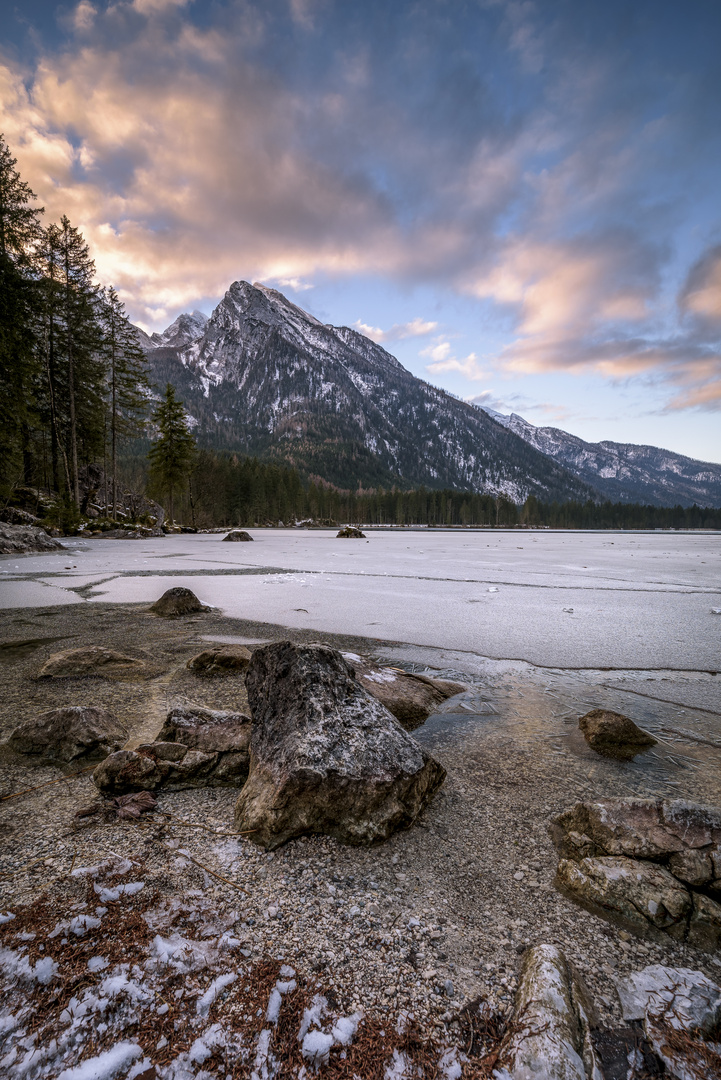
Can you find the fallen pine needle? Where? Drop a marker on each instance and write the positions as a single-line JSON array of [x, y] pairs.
[[26, 791], [218, 876]]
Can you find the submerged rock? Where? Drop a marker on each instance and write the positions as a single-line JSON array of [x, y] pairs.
[[325, 757], [552, 1020], [350, 533], [411, 698], [238, 536], [196, 747], [68, 734], [614, 735], [18, 539], [88, 660], [177, 601], [220, 660]]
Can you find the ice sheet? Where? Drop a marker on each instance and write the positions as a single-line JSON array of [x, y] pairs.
[[633, 600]]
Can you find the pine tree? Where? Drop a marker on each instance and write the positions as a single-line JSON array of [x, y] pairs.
[[19, 233], [128, 385], [171, 458]]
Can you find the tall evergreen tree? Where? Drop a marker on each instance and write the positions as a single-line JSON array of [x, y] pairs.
[[128, 385], [19, 234], [171, 457]]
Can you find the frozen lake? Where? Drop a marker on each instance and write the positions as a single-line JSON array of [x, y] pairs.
[[553, 599]]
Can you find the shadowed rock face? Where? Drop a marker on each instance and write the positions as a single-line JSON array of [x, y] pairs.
[[220, 660], [195, 748], [653, 865], [177, 602], [16, 539], [411, 698], [88, 660], [69, 734], [614, 735], [324, 756]]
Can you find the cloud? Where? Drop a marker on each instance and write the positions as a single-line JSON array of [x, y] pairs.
[[154, 7], [294, 283], [701, 294], [520, 403], [398, 332], [443, 360]]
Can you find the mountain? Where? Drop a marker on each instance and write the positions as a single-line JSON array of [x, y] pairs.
[[624, 472], [264, 377]]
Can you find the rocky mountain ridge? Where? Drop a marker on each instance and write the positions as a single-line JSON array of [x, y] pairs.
[[624, 472], [262, 376]]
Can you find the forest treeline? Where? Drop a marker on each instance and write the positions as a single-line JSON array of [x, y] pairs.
[[227, 489]]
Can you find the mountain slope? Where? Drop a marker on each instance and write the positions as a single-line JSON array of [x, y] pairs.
[[264, 377], [625, 472]]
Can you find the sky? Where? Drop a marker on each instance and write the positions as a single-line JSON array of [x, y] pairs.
[[518, 199]]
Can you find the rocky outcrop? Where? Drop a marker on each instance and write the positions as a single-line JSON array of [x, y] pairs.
[[238, 536], [411, 698], [196, 748], [653, 865], [177, 602], [72, 733], [220, 660], [88, 660], [325, 757], [19, 539], [614, 735], [680, 1011], [350, 533], [551, 1024], [96, 499]]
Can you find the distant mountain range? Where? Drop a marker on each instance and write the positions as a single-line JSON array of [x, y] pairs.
[[624, 472], [264, 377]]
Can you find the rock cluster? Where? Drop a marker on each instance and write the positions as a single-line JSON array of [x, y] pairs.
[[220, 660], [351, 533], [238, 536], [411, 698], [195, 748], [176, 602], [614, 735], [69, 734], [18, 539], [325, 757], [88, 660], [652, 865]]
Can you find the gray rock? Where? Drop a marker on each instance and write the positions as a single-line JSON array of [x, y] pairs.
[[196, 747], [638, 894], [669, 1000], [614, 735], [238, 536], [704, 930], [220, 660], [411, 698], [325, 757], [207, 729], [12, 515], [176, 602], [69, 734], [88, 660], [18, 539], [551, 1024], [350, 533]]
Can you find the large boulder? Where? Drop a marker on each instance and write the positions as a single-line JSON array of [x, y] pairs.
[[411, 698], [653, 864], [220, 660], [238, 536], [350, 533], [550, 1031], [640, 895], [176, 602], [614, 735], [19, 539], [325, 757], [196, 747], [69, 734], [88, 660]]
